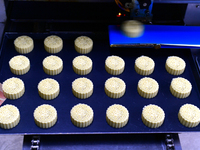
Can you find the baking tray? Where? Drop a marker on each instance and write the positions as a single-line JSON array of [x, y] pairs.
[[99, 101]]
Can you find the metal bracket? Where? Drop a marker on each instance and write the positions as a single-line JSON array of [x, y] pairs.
[[192, 14], [169, 142], [142, 9], [129, 5], [35, 143]]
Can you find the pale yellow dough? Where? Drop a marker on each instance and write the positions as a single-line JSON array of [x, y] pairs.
[[53, 44], [52, 65], [48, 89], [189, 115], [82, 88], [132, 28], [24, 44], [117, 116], [175, 65], [9, 116], [180, 87], [115, 87], [83, 44], [45, 116], [148, 87], [13, 88], [82, 115], [82, 65], [114, 65], [144, 65], [19, 65], [153, 116]]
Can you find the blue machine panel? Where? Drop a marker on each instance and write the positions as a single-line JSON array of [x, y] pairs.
[[166, 35]]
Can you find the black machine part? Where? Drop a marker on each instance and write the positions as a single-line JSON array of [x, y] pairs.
[[101, 142]]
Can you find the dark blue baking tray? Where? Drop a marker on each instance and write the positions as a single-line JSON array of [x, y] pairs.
[[99, 101]]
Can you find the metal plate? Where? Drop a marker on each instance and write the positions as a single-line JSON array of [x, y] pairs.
[[99, 101]]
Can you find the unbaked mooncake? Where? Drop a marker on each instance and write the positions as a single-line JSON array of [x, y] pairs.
[[147, 87], [24, 44], [82, 115], [117, 116], [83, 44], [180, 87], [175, 65], [189, 115], [153, 116], [115, 87], [52, 65], [19, 65], [13, 88], [144, 65], [53, 44], [82, 65], [114, 65], [48, 89], [45, 116], [82, 88], [132, 28], [9, 116]]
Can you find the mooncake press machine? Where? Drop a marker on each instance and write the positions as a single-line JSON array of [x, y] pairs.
[[170, 25]]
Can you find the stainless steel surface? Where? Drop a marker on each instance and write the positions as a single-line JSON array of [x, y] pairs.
[[11, 142], [2, 11], [190, 141], [192, 14]]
